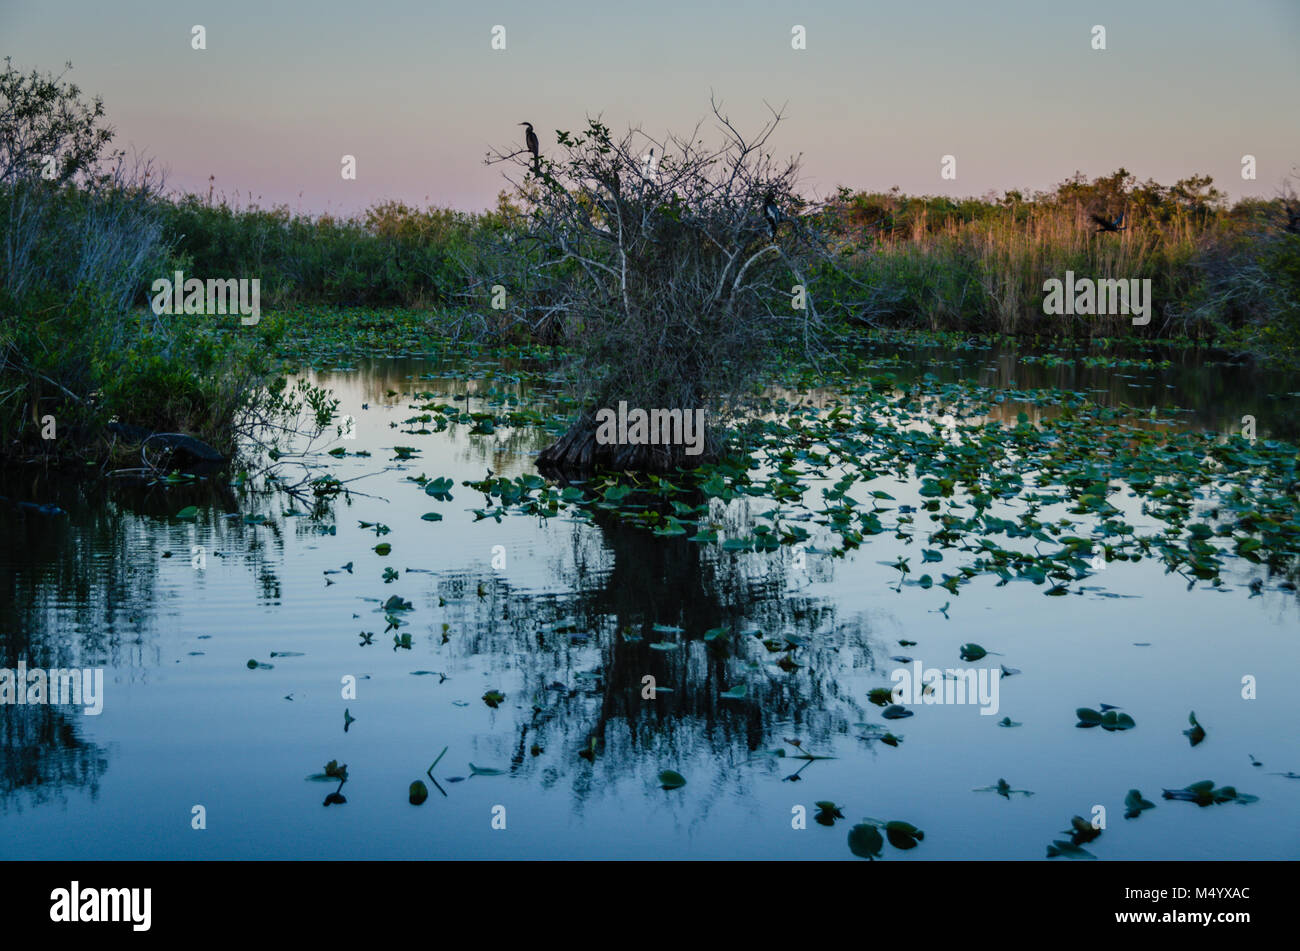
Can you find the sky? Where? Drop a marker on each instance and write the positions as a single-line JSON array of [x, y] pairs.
[[1013, 89]]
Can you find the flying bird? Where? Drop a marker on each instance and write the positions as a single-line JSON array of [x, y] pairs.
[[530, 139], [771, 212], [1104, 224]]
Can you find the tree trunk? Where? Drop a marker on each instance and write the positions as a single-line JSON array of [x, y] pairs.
[[577, 453]]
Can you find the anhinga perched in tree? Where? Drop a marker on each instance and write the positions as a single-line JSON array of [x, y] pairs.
[[530, 139], [1104, 224], [771, 212]]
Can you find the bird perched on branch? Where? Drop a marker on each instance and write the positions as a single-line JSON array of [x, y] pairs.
[[1104, 224], [530, 139], [771, 212]]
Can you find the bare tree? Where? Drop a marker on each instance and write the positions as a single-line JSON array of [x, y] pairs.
[[673, 269]]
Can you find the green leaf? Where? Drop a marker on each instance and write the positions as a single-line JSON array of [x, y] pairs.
[[439, 488], [431, 517], [1087, 716], [737, 692], [189, 513], [1114, 720], [1068, 850], [1134, 804], [670, 779], [903, 835], [865, 841]]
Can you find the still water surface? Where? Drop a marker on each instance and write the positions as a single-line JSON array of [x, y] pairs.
[[187, 723]]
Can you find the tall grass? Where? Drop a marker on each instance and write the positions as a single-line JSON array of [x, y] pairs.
[[969, 265], [983, 269], [392, 255]]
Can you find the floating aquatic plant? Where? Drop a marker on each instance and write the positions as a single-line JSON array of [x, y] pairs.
[[670, 779], [827, 813], [1204, 793], [1135, 805], [1003, 789], [1111, 720]]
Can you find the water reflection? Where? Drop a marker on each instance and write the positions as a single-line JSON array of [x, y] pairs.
[[567, 632]]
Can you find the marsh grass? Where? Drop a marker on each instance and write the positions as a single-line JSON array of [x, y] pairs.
[[986, 274], [1219, 273]]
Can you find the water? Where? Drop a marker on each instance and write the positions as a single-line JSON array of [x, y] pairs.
[[186, 723]]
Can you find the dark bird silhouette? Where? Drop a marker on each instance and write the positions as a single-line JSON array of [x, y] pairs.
[[771, 212], [1104, 224], [530, 139]]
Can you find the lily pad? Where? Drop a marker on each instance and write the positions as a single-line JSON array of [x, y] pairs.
[[1134, 804], [439, 488], [865, 841], [903, 835], [1087, 717], [670, 779], [827, 813], [1204, 793], [881, 696], [1067, 850], [1113, 720]]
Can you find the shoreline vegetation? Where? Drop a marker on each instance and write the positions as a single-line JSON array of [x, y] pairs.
[[87, 232]]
